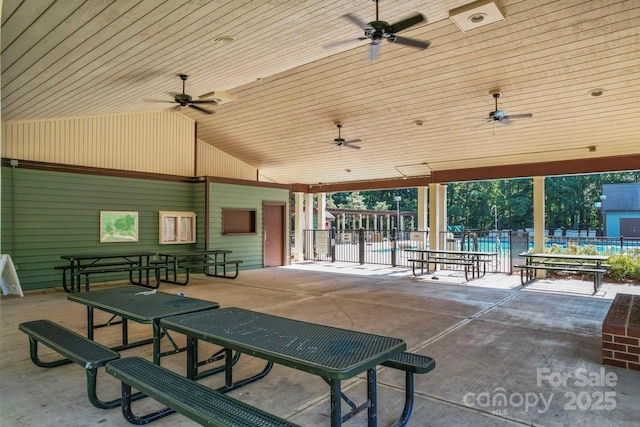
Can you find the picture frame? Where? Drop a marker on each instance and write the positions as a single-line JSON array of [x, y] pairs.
[[177, 227], [118, 227]]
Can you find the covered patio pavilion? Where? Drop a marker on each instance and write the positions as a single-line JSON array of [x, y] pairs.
[[93, 121], [499, 350]]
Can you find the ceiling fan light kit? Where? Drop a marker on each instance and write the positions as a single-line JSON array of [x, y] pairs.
[[378, 30], [502, 116], [184, 100], [476, 14]]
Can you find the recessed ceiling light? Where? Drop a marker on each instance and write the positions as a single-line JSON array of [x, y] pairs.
[[224, 39], [347, 170], [477, 18], [597, 92], [418, 122], [476, 14]]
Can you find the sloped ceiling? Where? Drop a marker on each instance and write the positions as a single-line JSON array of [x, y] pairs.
[[416, 111]]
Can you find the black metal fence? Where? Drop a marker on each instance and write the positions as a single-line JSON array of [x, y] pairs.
[[387, 247]]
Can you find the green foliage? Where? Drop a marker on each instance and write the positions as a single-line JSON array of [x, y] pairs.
[[569, 201], [624, 267]]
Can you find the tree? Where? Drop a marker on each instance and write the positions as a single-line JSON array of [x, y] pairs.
[[354, 201]]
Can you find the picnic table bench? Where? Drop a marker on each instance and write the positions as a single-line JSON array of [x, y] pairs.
[[410, 363], [209, 261], [75, 349], [193, 400], [474, 262], [591, 264], [91, 264]]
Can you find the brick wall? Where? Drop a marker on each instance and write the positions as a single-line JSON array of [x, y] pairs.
[[621, 333]]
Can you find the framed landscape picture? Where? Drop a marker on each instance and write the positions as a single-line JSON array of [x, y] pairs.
[[118, 226]]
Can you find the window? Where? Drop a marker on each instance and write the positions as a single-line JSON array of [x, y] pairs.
[[238, 221], [177, 227]]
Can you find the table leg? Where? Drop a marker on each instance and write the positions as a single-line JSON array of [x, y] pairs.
[[75, 276], [125, 332], [336, 403], [372, 395], [192, 358], [90, 323], [157, 335], [228, 371]]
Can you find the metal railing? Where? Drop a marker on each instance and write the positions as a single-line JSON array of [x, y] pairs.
[[387, 247]]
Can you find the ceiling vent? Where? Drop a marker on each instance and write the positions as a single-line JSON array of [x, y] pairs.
[[220, 96], [476, 14]]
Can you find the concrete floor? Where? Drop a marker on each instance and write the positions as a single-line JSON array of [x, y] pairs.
[[505, 355]]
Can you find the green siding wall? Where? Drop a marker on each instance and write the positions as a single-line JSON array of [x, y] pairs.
[[47, 214], [245, 247]]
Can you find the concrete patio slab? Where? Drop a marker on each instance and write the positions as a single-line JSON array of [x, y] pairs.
[[490, 338]]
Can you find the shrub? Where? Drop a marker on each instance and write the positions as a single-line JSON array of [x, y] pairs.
[[624, 267]]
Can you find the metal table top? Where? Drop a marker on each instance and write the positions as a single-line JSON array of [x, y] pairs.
[[89, 256], [134, 303], [322, 350], [576, 257], [445, 252], [196, 252]]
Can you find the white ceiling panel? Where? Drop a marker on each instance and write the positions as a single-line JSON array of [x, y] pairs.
[[72, 58]]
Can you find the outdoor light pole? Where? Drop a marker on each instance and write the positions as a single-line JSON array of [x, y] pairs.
[[604, 228], [397, 200], [494, 208]]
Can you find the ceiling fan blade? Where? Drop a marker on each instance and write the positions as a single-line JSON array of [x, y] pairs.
[[505, 121], [519, 116], [342, 43], [406, 23], [409, 42], [355, 20], [204, 110], [205, 101], [374, 50], [351, 141], [347, 144]]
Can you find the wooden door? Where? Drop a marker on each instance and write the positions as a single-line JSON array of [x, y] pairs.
[[273, 214], [630, 227]]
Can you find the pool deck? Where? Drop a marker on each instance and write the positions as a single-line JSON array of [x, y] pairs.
[[506, 355]]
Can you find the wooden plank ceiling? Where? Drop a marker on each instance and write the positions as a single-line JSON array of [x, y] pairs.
[[78, 58]]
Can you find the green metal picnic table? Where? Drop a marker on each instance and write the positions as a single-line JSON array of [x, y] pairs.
[[333, 353]]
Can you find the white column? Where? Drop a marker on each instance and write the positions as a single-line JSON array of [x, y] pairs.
[[538, 218], [308, 211], [308, 219], [438, 218], [423, 208], [322, 211], [388, 223], [298, 254]]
